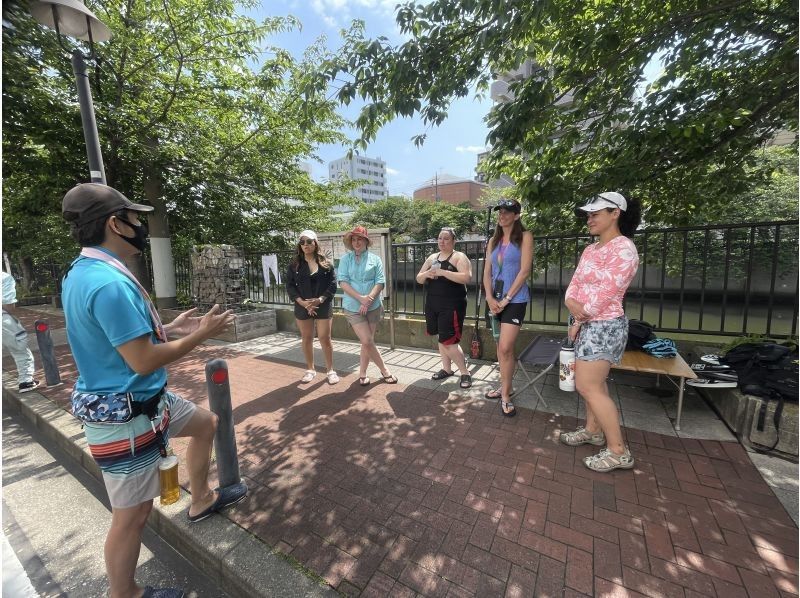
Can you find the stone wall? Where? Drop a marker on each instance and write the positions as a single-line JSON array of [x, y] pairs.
[[217, 276]]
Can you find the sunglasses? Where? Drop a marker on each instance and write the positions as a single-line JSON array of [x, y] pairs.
[[507, 203], [597, 198], [306, 242]]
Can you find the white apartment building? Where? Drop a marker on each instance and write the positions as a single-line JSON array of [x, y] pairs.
[[370, 171]]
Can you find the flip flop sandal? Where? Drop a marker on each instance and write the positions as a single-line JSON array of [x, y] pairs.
[[504, 405], [364, 381], [441, 375], [226, 497], [496, 393], [390, 379], [466, 381]]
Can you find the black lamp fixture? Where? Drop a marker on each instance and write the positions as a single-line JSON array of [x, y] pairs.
[[73, 19]]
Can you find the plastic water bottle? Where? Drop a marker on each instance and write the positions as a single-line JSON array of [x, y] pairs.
[[566, 366], [495, 324]]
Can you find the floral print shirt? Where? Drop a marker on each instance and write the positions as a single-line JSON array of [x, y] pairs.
[[602, 277]]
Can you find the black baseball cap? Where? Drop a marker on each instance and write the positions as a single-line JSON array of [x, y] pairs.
[[90, 201], [512, 205]]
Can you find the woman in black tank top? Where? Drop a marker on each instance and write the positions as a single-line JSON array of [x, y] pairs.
[[445, 275]]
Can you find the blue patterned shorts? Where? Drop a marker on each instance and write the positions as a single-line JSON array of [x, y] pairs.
[[602, 339]]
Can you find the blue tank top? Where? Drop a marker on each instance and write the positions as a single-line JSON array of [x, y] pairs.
[[512, 257]]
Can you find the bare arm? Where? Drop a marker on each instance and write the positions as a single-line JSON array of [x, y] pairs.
[[423, 273], [144, 357], [10, 308], [494, 307]]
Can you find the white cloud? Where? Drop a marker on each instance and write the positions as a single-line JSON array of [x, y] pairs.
[[392, 171], [339, 13], [470, 149]]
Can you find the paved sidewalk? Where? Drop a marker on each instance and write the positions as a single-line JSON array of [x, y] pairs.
[[419, 488]]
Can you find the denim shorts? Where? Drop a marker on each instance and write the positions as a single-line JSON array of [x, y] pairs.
[[602, 339]]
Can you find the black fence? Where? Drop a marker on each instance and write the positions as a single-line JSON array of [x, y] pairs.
[[726, 280]]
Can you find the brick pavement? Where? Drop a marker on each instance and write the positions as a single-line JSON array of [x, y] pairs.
[[400, 490]]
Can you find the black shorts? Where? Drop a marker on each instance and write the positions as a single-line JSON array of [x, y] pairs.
[[447, 322], [324, 312], [514, 313]]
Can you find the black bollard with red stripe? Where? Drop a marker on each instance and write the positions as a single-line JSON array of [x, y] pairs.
[[47, 352]]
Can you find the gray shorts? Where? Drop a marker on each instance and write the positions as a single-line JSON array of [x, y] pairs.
[[371, 317], [602, 339], [131, 476]]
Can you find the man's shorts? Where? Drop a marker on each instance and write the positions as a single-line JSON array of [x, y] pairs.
[[131, 476], [603, 339], [372, 317], [447, 322], [514, 313]]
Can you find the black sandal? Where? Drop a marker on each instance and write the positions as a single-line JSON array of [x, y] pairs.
[[466, 381], [504, 404], [364, 381], [441, 375], [390, 379]]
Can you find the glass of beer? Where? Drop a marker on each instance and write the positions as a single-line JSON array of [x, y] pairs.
[[168, 476]]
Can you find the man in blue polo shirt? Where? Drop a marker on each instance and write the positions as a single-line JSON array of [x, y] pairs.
[[121, 350]]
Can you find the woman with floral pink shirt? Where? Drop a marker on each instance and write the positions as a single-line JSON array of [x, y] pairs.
[[598, 324]]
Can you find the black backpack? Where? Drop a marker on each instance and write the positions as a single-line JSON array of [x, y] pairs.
[[769, 371], [639, 334]]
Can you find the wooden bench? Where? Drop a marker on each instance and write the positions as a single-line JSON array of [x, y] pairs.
[[671, 367]]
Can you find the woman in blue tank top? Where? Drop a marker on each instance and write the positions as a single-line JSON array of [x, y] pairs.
[[509, 257]]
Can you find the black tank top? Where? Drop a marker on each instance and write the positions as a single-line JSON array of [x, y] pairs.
[[444, 289]]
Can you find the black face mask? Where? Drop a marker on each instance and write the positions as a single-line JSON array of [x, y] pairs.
[[139, 240]]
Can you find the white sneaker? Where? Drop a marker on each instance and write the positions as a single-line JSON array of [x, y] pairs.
[[309, 376], [333, 377], [709, 383]]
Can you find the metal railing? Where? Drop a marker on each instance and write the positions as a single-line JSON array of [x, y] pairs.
[[725, 280]]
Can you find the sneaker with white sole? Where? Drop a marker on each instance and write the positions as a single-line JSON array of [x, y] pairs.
[[28, 386], [711, 383], [333, 377], [711, 358], [308, 376]]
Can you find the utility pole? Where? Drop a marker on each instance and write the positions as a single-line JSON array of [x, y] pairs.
[[436, 197]]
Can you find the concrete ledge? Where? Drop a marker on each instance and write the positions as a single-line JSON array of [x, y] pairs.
[[240, 562]]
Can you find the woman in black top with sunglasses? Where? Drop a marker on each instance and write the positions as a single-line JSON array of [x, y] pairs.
[[311, 285]]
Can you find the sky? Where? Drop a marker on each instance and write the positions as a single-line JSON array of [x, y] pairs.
[[451, 148]]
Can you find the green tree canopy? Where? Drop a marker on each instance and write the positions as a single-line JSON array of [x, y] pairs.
[[186, 121], [417, 220], [586, 120]]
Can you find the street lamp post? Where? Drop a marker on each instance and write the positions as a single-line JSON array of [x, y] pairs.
[[72, 18]]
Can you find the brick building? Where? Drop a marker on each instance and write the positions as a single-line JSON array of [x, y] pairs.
[[453, 190]]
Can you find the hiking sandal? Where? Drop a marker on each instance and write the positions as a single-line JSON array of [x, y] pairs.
[[606, 460], [507, 405], [466, 381], [442, 374], [582, 436]]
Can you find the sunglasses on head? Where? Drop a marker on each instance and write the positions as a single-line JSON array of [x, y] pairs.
[[306, 241], [597, 198], [507, 203]]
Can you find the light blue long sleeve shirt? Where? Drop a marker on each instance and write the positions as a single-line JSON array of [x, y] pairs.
[[362, 275]]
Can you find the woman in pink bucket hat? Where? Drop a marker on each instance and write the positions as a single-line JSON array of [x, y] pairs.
[[362, 279]]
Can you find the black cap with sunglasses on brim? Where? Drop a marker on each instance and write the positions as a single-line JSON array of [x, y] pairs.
[[602, 201], [512, 205]]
